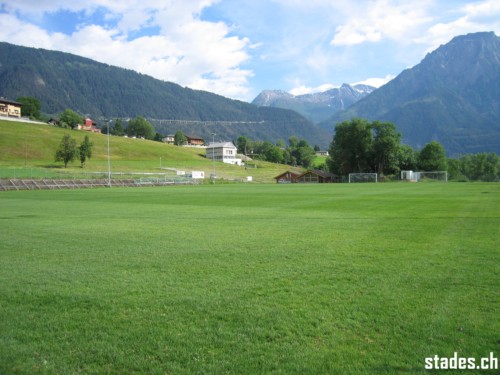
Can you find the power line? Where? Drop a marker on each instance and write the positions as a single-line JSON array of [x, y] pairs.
[[207, 123]]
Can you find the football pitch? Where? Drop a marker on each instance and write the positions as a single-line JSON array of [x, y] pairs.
[[248, 279]]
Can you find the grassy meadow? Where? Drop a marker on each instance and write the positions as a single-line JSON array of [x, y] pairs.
[[248, 279], [27, 150]]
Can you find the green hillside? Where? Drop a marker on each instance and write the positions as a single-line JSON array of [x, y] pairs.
[[62, 80], [32, 147], [452, 97]]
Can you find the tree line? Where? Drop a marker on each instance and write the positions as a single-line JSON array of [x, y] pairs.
[[297, 153], [357, 146], [362, 146]]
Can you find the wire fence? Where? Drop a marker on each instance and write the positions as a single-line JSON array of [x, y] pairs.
[[58, 174], [47, 173]]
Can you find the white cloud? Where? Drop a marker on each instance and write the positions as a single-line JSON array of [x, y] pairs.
[[275, 40], [188, 51], [375, 82], [303, 90], [381, 19], [23, 33], [474, 17]]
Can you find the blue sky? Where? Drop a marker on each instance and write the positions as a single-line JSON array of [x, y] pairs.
[[238, 48]]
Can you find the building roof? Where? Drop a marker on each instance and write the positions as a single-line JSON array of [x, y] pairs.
[[6, 101], [193, 137], [289, 173], [321, 173], [221, 144]]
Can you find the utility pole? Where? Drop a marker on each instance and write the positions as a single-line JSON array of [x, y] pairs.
[[213, 157]]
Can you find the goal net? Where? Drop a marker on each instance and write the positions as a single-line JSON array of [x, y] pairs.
[[435, 176], [362, 177]]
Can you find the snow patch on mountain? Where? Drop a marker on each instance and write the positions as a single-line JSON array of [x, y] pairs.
[[315, 106]]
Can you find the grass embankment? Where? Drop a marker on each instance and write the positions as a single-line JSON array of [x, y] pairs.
[[33, 146], [341, 278]]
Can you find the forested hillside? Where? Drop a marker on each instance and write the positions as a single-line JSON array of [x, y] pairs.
[[61, 80], [452, 96]]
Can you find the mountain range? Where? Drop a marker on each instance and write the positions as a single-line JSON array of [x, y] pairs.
[[62, 80], [452, 96], [316, 107]]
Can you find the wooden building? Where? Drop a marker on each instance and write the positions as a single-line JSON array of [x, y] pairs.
[[317, 177], [286, 178], [195, 141]]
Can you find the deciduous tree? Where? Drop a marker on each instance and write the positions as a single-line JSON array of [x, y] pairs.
[[140, 127], [67, 150], [31, 107], [271, 152], [118, 128], [482, 166], [407, 158], [85, 150], [242, 144], [432, 157], [351, 148], [179, 138], [70, 118], [386, 144]]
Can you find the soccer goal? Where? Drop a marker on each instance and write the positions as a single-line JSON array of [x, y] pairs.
[[435, 176], [363, 177]]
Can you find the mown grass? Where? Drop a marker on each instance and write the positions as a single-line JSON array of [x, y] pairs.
[[32, 147], [341, 279]]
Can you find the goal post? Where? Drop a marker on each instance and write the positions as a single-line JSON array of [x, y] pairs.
[[433, 176], [363, 177]]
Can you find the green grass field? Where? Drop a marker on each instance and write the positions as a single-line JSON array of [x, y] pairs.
[[28, 150], [248, 279]]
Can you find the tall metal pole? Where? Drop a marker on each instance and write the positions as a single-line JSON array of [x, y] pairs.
[[213, 156], [109, 162]]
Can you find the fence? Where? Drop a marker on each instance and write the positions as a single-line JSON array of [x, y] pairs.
[[33, 179], [48, 173]]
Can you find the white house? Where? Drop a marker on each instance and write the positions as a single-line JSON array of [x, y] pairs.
[[224, 152], [169, 139]]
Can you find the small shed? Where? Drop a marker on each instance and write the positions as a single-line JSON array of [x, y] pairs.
[[317, 176], [286, 178], [408, 176]]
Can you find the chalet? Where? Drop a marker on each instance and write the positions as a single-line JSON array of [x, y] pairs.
[[88, 125], [317, 176], [286, 178], [195, 141], [224, 152], [170, 139], [10, 108]]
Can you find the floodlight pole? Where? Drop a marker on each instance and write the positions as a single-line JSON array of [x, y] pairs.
[[213, 156], [109, 162]]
